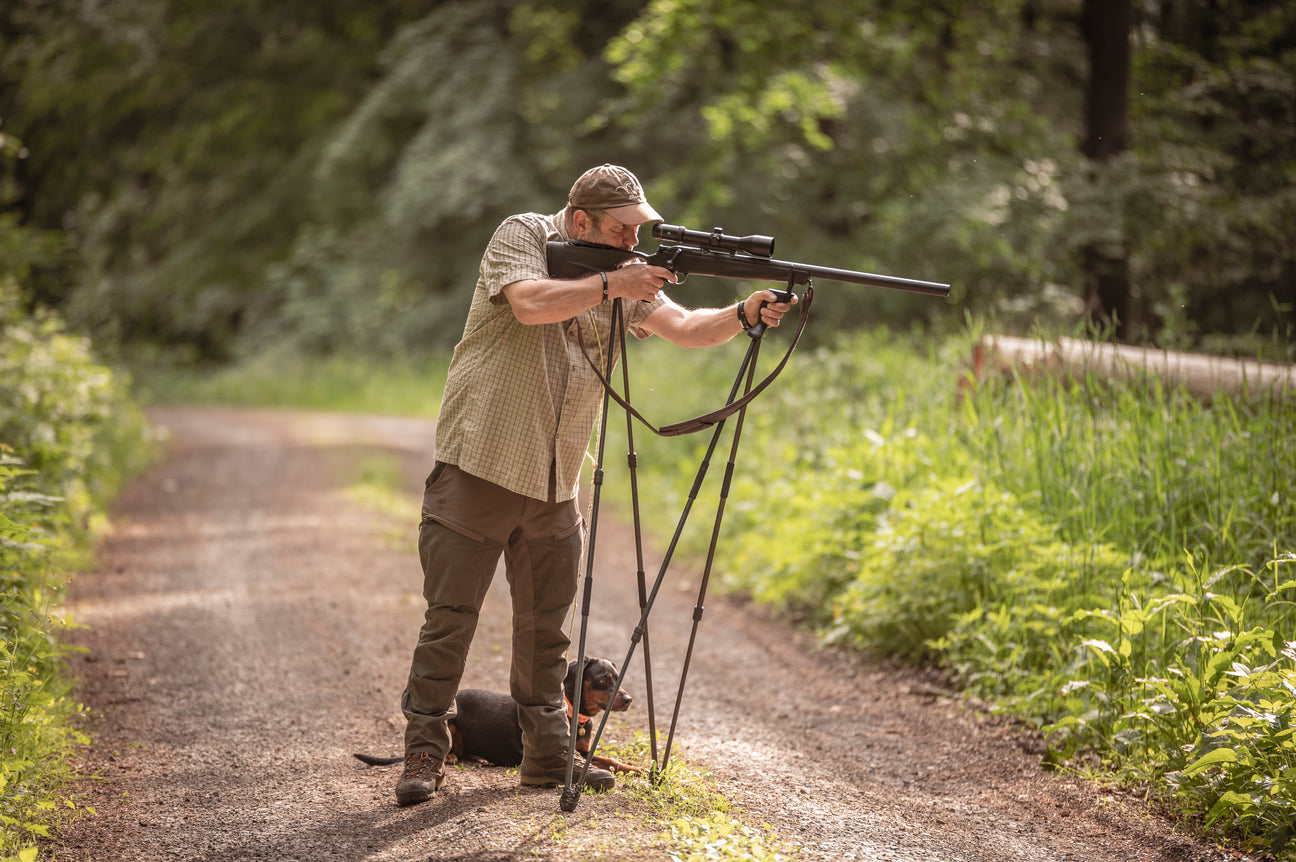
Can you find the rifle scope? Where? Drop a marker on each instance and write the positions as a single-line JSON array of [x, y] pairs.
[[755, 245]]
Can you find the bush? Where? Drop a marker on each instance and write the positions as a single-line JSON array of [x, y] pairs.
[[68, 433]]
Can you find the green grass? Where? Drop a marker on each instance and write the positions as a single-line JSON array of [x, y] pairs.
[[379, 487]]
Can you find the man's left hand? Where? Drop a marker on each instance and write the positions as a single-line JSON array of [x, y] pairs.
[[764, 306]]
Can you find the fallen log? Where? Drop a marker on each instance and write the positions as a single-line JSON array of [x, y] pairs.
[[1202, 376]]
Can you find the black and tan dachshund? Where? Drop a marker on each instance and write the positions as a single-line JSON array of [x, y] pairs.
[[485, 726]]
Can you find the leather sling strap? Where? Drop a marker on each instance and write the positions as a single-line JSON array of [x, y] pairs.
[[706, 420]]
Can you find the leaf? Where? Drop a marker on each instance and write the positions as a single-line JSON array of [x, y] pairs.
[[1100, 648], [1099, 645], [1216, 666], [1281, 837], [1239, 670], [1227, 802], [1219, 755]]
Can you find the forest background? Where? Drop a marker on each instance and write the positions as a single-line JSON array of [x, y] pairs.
[[214, 179], [273, 186]]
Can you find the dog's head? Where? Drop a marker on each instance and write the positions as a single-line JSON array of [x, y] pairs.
[[598, 688]]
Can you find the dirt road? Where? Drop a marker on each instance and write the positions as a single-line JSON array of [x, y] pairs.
[[249, 627]]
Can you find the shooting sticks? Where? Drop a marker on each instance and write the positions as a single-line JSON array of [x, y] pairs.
[[716, 419]]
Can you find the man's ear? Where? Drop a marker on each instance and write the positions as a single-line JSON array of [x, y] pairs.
[[581, 224]]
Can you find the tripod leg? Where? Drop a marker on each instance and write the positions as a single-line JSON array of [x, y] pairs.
[[632, 461], [699, 607], [571, 791], [647, 606]]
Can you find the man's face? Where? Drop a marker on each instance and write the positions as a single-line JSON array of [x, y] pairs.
[[609, 232]]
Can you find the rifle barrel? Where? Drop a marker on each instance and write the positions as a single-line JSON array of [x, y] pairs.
[[895, 282], [765, 269]]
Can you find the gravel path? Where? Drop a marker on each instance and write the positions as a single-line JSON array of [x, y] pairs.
[[249, 628]]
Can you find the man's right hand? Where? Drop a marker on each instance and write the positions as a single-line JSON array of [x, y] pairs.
[[638, 281]]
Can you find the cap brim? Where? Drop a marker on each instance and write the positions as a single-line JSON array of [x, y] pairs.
[[634, 214]]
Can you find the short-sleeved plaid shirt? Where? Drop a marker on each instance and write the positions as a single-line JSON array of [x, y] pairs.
[[522, 400]]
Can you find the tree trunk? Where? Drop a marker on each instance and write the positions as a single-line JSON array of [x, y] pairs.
[[1202, 376], [1107, 25]]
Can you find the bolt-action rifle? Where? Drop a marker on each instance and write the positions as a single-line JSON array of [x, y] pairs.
[[694, 252], [716, 254]]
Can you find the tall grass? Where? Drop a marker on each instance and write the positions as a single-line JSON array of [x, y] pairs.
[[1151, 471], [1111, 561]]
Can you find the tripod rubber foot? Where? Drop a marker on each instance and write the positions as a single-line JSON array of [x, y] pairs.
[[570, 796]]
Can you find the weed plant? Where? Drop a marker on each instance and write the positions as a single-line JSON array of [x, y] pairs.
[[1110, 561]]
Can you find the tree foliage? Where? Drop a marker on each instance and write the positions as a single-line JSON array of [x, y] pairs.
[[896, 138], [949, 133], [224, 177], [169, 141], [1214, 210]]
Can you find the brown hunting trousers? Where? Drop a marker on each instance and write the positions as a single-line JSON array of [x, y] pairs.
[[467, 523]]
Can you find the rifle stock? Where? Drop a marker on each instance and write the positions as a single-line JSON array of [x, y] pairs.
[[575, 259]]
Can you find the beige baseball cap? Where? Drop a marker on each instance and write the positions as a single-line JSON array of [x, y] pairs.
[[614, 190]]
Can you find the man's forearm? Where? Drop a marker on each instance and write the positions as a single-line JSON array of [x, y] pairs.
[[553, 300], [709, 327], [696, 327]]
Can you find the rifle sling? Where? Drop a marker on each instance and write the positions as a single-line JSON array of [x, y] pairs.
[[699, 423]]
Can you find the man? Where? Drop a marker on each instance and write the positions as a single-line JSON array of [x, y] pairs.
[[519, 406]]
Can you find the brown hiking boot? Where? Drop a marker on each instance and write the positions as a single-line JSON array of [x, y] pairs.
[[552, 772], [424, 774]]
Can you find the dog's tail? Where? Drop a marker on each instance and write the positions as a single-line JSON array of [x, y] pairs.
[[377, 761]]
